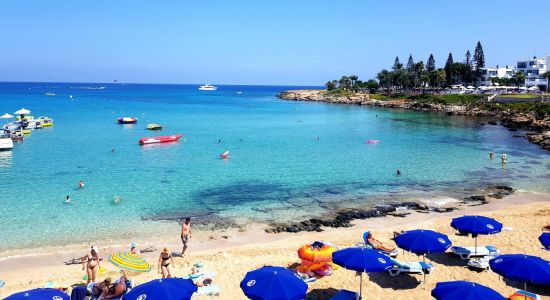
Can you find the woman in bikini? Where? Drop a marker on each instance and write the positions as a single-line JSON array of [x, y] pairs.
[[92, 264], [165, 259]]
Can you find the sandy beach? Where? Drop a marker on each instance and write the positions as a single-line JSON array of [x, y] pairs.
[[231, 254]]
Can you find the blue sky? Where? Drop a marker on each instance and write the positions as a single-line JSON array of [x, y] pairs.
[[305, 42]]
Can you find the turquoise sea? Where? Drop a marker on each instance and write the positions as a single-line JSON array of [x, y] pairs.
[[278, 168]]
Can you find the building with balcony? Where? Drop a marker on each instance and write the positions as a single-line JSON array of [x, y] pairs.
[[533, 69], [496, 72]]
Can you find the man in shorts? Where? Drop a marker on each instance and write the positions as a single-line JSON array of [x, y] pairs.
[[185, 234]]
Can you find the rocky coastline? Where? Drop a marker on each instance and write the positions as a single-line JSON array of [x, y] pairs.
[[344, 217], [539, 128]]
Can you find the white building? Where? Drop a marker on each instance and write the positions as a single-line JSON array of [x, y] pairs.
[[500, 72], [533, 69]]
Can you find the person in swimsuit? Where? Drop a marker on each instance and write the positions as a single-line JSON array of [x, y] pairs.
[[81, 184], [68, 199], [491, 156], [165, 259], [99, 288], [185, 234], [91, 260], [376, 244], [117, 289]]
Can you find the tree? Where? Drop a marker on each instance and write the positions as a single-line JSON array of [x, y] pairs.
[[449, 70], [331, 85], [410, 63], [396, 64], [467, 70], [479, 59], [441, 78], [418, 69], [372, 85], [520, 78], [430, 65], [384, 78], [353, 80]]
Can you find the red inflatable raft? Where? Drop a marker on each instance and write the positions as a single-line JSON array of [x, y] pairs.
[[160, 139]]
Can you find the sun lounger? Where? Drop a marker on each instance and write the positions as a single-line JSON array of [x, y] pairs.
[[344, 295], [129, 285], [400, 267], [480, 263], [209, 290], [369, 246], [524, 295], [468, 252]]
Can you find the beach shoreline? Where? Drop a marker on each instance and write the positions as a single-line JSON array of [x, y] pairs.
[[47, 265]]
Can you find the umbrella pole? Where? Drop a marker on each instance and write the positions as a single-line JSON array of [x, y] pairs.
[[525, 289], [475, 249], [360, 285]]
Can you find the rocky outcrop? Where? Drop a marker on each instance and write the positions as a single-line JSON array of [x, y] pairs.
[[343, 218], [539, 127]]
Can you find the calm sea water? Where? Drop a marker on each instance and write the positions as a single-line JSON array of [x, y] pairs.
[[278, 168]]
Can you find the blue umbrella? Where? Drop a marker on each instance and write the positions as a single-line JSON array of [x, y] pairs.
[[522, 268], [39, 294], [423, 241], [458, 290], [167, 289], [544, 238], [476, 225], [362, 260], [273, 283]]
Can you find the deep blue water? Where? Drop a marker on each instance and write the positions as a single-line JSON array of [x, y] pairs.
[[278, 169]]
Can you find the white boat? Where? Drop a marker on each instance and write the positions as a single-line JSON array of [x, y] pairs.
[[5, 142], [208, 87], [50, 94]]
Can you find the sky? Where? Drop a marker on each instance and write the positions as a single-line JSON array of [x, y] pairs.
[[282, 42]]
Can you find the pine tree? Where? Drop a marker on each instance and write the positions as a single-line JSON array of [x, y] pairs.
[[479, 57], [410, 63], [449, 69], [430, 65], [396, 64], [468, 58]]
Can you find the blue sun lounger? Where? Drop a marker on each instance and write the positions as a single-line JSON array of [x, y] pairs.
[[400, 267], [345, 295], [369, 246]]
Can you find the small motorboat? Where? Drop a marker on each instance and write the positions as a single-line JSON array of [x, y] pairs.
[[127, 120], [46, 122], [5, 142], [160, 139], [207, 87], [154, 127]]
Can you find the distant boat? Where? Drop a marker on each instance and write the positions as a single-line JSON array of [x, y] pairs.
[[49, 94], [154, 127], [208, 87], [127, 120], [5, 142], [159, 139]]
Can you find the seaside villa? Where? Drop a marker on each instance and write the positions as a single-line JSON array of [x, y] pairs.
[[497, 72], [533, 69]]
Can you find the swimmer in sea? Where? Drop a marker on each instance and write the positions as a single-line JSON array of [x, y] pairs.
[[318, 138], [504, 159], [113, 151], [118, 199], [68, 199], [81, 184], [491, 156], [398, 172], [219, 141]]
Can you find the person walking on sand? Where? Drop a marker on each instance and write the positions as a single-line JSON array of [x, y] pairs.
[[91, 260], [185, 234], [163, 266]]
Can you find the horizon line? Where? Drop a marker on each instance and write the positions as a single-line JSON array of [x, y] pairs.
[[152, 83]]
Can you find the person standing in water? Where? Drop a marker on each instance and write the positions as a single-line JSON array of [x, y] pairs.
[[491, 156], [185, 234], [504, 158], [398, 172], [68, 199], [81, 184]]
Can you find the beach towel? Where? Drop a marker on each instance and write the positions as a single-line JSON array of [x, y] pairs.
[[209, 290], [79, 293]]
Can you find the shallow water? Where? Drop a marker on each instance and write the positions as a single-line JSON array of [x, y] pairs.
[[278, 169]]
